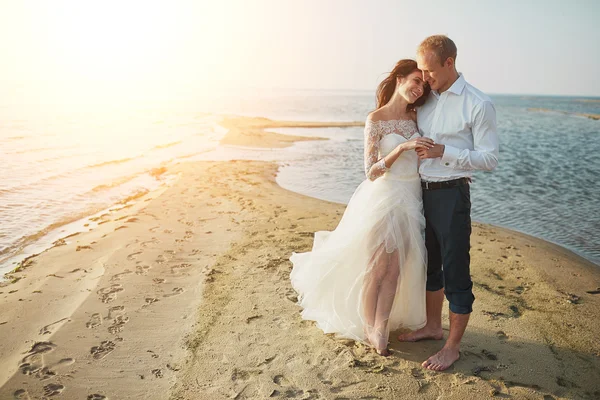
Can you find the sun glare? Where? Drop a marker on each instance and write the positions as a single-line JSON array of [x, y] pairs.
[[97, 49], [110, 40]]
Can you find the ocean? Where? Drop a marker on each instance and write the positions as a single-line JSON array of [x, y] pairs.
[[61, 167]]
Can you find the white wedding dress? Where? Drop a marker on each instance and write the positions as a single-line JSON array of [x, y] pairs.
[[367, 277]]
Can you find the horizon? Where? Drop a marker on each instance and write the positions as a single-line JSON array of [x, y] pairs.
[[70, 53]]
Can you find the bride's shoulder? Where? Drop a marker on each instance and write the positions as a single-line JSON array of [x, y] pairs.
[[377, 115]]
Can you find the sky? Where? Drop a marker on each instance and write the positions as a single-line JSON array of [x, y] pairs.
[[75, 50]]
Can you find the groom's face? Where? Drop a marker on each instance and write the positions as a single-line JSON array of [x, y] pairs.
[[434, 72]]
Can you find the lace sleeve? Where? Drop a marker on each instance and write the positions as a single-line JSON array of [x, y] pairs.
[[374, 167]]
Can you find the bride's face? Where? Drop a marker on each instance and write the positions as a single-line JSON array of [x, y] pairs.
[[411, 86]]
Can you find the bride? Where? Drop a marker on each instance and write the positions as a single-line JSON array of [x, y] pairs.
[[367, 277]]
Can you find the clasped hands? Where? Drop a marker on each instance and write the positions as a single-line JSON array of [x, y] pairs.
[[425, 147]]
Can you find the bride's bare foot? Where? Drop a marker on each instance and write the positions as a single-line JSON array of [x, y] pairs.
[[443, 359], [383, 352], [424, 333], [379, 344]]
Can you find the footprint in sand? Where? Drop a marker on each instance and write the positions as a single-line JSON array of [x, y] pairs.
[[53, 389], [179, 267], [95, 320], [159, 280], [290, 391], [65, 362], [422, 381], [291, 295], [109, 294], [501, 335], [118, 324], [489, 355], [96, 396], [142, 269], [45, 330], [33, 362], [21, 394], [281, 323], [118, 276], [115, 310], [150, 301], [104, 349], [147, 242], [175, 292], [157, 373], [132, 256]]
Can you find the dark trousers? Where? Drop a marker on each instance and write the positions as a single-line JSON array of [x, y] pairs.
[[447, 238]]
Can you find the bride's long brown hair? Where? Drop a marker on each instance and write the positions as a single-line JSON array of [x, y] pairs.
[[386, 88]]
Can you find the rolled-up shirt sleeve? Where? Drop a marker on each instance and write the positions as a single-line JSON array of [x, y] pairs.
[[484, 155]]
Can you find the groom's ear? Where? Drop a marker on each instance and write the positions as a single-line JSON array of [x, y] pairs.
[[449, 62]]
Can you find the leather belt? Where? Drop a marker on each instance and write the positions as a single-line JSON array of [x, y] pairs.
[[445, 184]]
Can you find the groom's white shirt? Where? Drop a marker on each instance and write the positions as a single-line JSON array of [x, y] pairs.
[[464, 120]]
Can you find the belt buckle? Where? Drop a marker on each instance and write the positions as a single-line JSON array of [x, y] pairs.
[[426, 185]]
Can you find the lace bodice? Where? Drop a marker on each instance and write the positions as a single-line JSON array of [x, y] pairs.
[[381, 137]]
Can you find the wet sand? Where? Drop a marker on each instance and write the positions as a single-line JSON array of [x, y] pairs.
[[251, 132], [186, 295]]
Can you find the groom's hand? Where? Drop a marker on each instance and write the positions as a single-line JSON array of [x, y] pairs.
[[435, 152]]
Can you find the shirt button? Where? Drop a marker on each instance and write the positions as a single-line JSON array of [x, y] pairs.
[[447, 164]]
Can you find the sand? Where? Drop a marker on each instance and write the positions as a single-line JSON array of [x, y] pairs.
[[250, 132], [185, 295]]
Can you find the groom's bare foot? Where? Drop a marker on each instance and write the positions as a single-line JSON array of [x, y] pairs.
[[424, 333], [443, 359]]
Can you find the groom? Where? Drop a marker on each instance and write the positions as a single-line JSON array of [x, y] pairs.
[[462, 122]]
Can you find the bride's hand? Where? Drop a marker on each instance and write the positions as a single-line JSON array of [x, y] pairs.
[[417, 143]]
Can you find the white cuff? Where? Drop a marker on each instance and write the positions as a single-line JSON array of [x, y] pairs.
[[450, 156]]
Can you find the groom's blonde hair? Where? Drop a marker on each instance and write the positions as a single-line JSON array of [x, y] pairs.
[[441, 45]]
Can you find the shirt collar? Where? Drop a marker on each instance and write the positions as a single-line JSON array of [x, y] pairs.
[[456, 88]]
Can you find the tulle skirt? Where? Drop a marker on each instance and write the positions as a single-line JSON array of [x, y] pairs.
[[367, 277]]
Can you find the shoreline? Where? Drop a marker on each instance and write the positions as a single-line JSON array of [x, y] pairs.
[[254, 136], [186, 295], [142, 306], [48, 238], [253, 131]]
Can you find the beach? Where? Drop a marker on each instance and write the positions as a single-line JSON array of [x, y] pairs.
[[185, 294]]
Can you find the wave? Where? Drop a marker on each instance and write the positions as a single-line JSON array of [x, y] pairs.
[[15, 138], [164, 146], [574, 114], [53, 176], [113, 162], [14, 249], [38, 150], [118, 182], [156, 173], [24, 241]]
